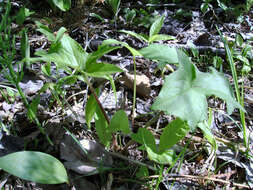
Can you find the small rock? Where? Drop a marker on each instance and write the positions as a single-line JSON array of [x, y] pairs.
[[142, 83], [203, 40]]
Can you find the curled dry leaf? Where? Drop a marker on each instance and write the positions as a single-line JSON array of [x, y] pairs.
[[85, 162]]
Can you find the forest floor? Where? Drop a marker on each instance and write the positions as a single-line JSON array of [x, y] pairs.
[[228, 167]]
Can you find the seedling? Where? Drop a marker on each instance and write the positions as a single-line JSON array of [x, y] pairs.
[[153, 33]]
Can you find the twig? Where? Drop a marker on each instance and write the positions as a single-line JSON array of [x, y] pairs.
[[172, 177], [131, 160]]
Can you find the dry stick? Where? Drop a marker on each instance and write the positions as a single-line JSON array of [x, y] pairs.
[[133, 161], [174, 177]]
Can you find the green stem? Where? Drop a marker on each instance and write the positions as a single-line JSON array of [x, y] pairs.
[[96, 98], [134, 98], [239, 96]]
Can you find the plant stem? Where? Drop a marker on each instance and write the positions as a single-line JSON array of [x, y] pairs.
[[134, 94], [239, 96], [96, 98]]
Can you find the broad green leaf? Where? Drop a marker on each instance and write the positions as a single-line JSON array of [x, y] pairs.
[[60, 33], [68, 80], [119, 122], [184, 92], [166, 157], [138, 36], [215, 83], [142, 172], [188, 67], [160, 37], [66, 53], [156, 26], [90, 109], [172, 134], [63, 5], [34, 166], [160, 52], [116, 42], [45, 30], [102, 69], [102, 128], [145, 137], [208, 134], [114, 5], [102, 50], [46, 69], [23, 13]]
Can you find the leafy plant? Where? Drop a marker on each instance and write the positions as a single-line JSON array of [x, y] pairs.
[[7, 57], [115, 7], [130, 14], [239, 95], [153, 32], [67, 54], [63, 5], [189, 87], [34, 166], [172, 133]]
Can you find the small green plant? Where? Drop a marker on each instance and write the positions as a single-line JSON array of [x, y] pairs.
[[239, 95], [236, 11], [187, 86], [63, 5], [153, 32], [34, 166], [115, 7], [129, 15]]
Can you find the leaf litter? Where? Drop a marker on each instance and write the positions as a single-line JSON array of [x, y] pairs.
[[191, 172]]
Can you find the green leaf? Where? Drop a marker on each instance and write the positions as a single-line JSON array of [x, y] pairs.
[[160, 37], [156, 26], [23, 13], [166, 157], [102, 50], [60, 34], [142, 172], [102, 128], [45, 30], [34, 166], [144, 136], [25, 47], [114, 5], [68, 80], [90, 109], [119, 122], [160, 52], [208, 134], [65, 53], [173, 133], [116, 42], [138, 36], [102, 69], [46, 69], [98, 17], [184, 92], [63, 5], [33, 108]]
